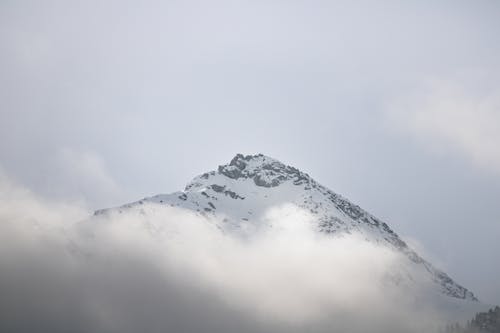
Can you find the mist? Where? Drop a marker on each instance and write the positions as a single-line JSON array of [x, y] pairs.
[[165, 269]]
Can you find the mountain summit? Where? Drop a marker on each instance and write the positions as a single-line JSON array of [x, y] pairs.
[[241, 191]]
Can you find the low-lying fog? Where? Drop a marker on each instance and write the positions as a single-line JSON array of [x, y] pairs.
[[170, 270]]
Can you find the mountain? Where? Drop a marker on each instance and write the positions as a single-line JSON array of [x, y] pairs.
[[243, 190]]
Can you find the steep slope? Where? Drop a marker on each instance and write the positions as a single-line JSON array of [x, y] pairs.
[[243, 190]]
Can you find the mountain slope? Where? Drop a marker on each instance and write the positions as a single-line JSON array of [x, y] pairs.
[[243, 190]]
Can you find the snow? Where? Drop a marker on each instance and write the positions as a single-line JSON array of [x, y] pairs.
[[242, 191]]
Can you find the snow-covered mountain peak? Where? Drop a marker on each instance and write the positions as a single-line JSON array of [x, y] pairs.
[[239, 194], [264, 171]]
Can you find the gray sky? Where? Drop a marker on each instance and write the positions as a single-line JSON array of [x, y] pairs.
[[394, 104]]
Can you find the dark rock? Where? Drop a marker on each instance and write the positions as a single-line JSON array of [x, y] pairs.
[[217, 188]]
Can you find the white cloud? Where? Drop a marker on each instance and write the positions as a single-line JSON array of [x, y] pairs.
[[84, 173], [21, 208], [462, 116], [166, 269]]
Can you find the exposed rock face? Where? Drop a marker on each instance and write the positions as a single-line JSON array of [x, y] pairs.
[[263, 170]]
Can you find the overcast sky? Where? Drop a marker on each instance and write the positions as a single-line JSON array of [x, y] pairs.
[[394, 104]]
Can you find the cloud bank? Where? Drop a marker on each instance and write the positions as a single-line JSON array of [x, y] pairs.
[[460, 115], [162, 269]]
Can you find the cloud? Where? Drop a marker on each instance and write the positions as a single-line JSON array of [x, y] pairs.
[[22, 208], [85, 173], [164, 269], [461, 116]]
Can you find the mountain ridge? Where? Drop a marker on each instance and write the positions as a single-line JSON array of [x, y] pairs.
[[242, 189]]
